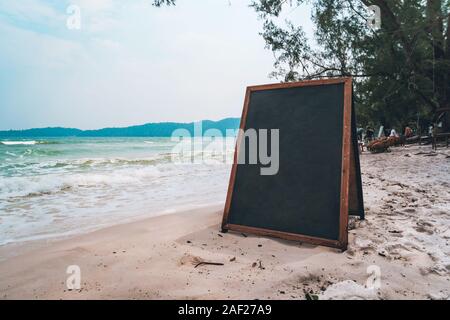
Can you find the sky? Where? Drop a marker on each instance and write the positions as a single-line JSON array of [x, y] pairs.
[[128, 62]]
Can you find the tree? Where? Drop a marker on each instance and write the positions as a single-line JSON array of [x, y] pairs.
[[401, 69]]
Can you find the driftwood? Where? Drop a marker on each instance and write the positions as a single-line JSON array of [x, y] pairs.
[[200, 262], [426, 154], [209, 263]]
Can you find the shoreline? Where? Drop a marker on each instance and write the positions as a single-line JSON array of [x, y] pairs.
[[405, 235], [17, 247]]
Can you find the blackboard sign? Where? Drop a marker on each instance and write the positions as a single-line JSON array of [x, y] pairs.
[[308, 128]]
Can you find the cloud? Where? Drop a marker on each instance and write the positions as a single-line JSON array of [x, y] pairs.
[[95, 6], [130, 62], [26, 48], [31, 14]]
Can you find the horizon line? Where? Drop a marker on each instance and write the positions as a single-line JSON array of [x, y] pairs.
[[118, 127]]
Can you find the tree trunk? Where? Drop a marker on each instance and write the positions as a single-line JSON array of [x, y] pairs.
[[441, 55], [446, 120]]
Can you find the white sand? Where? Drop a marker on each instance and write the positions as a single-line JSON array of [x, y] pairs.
[[405, 236]]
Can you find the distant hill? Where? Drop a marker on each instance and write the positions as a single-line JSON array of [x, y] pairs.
[[163, 129]]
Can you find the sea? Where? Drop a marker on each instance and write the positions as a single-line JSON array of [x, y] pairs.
[[57, 187]]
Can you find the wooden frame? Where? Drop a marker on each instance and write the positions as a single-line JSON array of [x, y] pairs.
[[342, 241]]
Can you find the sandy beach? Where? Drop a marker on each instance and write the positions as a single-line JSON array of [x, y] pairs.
[[405, 237]]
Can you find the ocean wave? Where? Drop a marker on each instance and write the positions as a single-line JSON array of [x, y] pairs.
[[101, 162], [32, 167], [15, 143], [44, 182], [29, 153], [26, 143], [41, 185]]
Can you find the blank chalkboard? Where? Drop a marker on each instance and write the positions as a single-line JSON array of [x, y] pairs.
[[308, 198]]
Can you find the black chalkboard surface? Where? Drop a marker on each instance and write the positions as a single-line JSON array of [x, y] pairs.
[[317, 183]]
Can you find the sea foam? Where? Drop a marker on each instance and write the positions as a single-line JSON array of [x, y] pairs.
[[14, 143]]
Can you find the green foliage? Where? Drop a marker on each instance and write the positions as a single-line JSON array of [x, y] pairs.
[[159, 3], [400, 70]]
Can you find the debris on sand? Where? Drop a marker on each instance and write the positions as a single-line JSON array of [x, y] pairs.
[[197, 261]]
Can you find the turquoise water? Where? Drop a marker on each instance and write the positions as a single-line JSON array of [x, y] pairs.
[[51, 187]]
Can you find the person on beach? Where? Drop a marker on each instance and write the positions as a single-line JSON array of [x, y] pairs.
[[393, 133], [369, 134], [359, 133], [408, 132]]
